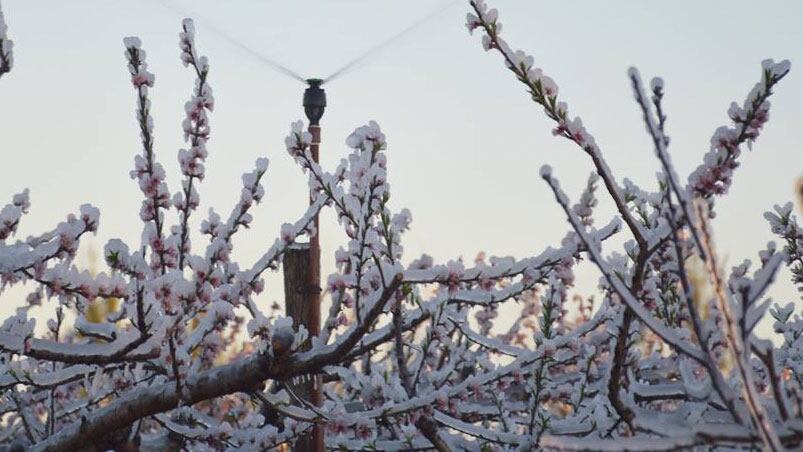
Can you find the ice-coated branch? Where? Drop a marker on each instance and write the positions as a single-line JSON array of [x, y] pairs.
[[785, 225], [196, 132], [147, 171], [289, 232], [669, 336], [251, 193], [720, 385], [735, 336], [544, 91], [123, 349], [660, 141], [11, 214], [714, 176], [35, 253], [6, 47]]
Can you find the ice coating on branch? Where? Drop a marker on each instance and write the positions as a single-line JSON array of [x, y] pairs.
[[150, 174], [6, 47], [140, 77], [776, 70], [298, 141], [785, 225], [11, 214], [585, 206], [657, 84], [714, 176], [196, 134]]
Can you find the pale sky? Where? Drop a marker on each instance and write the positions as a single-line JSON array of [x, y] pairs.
[[465, 141]]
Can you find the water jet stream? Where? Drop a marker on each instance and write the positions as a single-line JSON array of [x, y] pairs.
[[259, 56], [348, 67], [355, 63]]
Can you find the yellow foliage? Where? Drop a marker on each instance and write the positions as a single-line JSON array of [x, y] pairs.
[[702, 294], [701, 290], [99, 308]]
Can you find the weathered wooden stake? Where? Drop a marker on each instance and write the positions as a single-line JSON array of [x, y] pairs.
[[296, 263], [299, 292]]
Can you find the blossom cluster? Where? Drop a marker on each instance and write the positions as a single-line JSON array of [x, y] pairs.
[[713, 177], [196, 132]]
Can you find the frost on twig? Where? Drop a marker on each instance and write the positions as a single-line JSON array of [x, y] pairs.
[[6, 47], [196, 133]]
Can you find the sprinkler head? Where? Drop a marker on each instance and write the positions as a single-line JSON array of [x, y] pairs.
[[314, 101]]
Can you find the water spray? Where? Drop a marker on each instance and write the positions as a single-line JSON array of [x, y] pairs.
[[373, 51], [311, 82], [276, 66]]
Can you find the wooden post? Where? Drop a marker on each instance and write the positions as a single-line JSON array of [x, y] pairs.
[[296, 264], [298, 305]]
